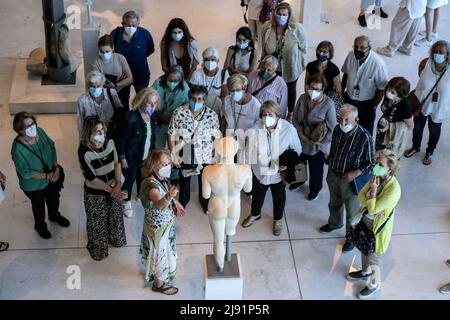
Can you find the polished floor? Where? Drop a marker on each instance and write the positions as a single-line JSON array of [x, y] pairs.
[[299, 264]]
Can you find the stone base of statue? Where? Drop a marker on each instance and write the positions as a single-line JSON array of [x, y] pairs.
[[29, 92], [223, 285]]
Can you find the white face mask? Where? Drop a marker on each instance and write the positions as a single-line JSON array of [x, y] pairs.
[[314, 94], [346, 128], [100, 138], [391, 96], [269, 121], [211, 65], [164, 172], [237, 95], [31, 131], [130, 30]]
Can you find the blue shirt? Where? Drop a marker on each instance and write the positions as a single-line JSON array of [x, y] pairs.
[[136, 52]]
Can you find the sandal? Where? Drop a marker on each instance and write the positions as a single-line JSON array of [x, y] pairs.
[[4, 246], [165, 289], [410, 152], [427, 160]]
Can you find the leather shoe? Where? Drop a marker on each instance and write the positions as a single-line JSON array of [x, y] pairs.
[[348, 246], [44, 233], [63, 222]]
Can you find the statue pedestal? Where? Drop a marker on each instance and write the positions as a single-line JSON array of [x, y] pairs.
[[226, 285], [29, 94]]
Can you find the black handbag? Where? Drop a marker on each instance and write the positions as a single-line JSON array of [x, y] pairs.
[[363, 238]]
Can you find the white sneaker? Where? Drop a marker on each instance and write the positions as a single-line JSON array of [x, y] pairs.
[[423, 33], [423, 43], [385, 52], [127, 209]]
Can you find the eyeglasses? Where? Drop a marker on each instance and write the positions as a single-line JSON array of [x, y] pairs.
[[30, 125], [360, 48]]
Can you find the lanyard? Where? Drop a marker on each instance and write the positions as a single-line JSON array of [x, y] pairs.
[[210, 85], [233, 108], [359, 75]]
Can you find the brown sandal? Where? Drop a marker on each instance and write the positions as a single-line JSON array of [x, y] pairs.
[[427, 160], [410, 152]]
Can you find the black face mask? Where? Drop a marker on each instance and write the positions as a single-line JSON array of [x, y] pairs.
[[359, 54]]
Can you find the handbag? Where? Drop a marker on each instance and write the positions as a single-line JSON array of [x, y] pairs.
[[415, 104], [320, 130], [363, 238], [360, 181]]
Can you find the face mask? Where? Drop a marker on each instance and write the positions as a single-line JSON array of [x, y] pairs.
[[100, 138], [130, 30], [195, 106], [172, 85], [150, 109], [106, 56], [346, 128], [177, 36], [237, 95], [314, 94], [282, 20], [164, 172], [391, 96], [269, 121], [211, 65], [96, 92], [322, 58], [265, 75], [359, 55], [439, 58], [379, 171], [31, 131], [242, 45]]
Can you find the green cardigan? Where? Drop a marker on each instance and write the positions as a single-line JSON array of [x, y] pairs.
[[27, 163], [385, 202]]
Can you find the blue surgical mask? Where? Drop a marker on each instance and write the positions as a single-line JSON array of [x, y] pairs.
[[172, 84], [322, 58], [106, 55], [195, 106], [150, 109], [96, 92], [177, 36], [282, 20], [130, 30], [439, 58], [379, 171], [237, 95], [242, 45]]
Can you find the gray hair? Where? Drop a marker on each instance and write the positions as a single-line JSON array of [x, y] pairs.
[[176, 69], [237, 78], [271, 59], [365, 38], [130, 15], [349, 108], [94, 77], [437, 44], [210, 52]]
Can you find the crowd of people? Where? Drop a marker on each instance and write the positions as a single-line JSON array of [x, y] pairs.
[[167, 134]]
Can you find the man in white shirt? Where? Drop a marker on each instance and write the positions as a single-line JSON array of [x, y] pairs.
[[405, 27], [365, 77]]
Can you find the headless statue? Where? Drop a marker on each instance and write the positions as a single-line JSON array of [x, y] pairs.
[[223, 183]]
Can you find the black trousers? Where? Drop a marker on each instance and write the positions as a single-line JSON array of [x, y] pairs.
[[434, 129], [292, 94], [366, 112], [124, 94], [39, 198], [132, 174], [315, 165], [184, 184], [278, 195]]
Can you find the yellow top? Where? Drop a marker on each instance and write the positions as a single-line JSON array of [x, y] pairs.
[[385, 202]]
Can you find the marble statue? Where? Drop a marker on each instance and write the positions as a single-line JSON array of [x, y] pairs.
[[222, 183]]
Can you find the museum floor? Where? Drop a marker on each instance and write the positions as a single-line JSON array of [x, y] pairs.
[[299, 264]]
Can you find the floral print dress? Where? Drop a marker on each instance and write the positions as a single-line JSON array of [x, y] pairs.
[[158, 247]]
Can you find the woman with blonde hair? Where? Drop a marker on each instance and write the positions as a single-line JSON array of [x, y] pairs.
[[135, 141], [285, 39], [378, 199], [158, 246]]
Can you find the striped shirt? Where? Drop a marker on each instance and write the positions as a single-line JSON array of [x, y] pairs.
[[99, 163], [351, 151], [276, 91]]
